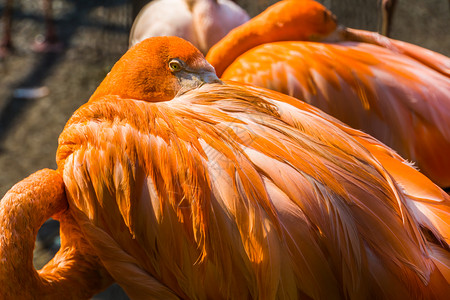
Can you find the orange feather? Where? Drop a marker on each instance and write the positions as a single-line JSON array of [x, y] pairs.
[[73, 273], [230, 191], [395, 91]]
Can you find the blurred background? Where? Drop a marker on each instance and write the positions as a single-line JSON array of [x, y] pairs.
[[40, 91]]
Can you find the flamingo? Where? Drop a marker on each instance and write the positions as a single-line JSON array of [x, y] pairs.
[[186, 186], [395, 91], [202, 22], [387, 13]]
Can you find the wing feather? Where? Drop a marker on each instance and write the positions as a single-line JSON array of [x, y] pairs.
[[232, 191], [391, 96]]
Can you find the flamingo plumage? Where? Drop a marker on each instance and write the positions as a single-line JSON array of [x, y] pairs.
[[387, 14], [189, 187], [202, 22], [395, 91]]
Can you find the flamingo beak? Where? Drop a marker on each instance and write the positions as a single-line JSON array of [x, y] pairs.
[[189, 80]]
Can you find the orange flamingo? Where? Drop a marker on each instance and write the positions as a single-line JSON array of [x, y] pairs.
[[189, 187], [202, 22], [395, 91], [387, 13]]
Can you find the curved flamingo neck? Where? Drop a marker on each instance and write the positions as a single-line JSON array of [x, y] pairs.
[[303, 20], [23, 210]]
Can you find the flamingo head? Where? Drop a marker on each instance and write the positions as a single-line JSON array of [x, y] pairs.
[[157, 69]]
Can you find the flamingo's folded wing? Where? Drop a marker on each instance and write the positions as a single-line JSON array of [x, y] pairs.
[[396, 99]]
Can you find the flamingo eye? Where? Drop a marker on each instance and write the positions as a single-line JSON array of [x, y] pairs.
[[175, 65]]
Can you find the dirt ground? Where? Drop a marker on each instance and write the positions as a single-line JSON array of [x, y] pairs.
[[95, 35]]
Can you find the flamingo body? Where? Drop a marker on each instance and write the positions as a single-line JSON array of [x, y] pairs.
[[189, 187], [397, 92], [229, 191], [202, 22]]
